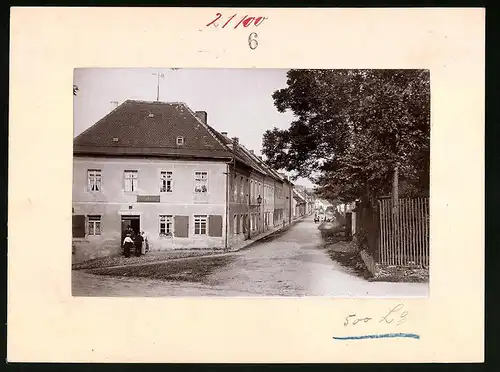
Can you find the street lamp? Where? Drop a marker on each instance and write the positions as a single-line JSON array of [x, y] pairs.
[[259, 201]]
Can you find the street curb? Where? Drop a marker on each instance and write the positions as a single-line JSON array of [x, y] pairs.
[[222, 254]]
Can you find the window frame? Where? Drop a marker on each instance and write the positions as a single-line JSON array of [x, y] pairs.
[[92, 170], [89, 218], [241, 190], [181, 138], [202, 218], [131, 171], [235, 188], [195, 182], [167, 173], [169, 219]]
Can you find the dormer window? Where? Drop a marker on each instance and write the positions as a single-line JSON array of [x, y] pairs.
[[180, 141]]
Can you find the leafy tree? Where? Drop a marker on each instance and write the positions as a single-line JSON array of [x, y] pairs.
[[352, 128]]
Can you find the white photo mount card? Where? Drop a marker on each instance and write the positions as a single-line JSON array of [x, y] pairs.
[[232, 194]]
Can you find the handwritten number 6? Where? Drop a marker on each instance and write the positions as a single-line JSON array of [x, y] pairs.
[[252, 41]]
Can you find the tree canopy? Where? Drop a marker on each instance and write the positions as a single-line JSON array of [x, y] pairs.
[[352, 128]]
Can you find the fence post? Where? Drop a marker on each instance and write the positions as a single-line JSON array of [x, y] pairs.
[[376, 232]]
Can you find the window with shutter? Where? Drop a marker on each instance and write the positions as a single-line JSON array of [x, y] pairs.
[[78, 226], [245, 223], [200, 225], [181, 226], [215, 225]]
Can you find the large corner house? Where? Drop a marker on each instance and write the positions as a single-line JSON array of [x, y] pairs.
[[160, 168]]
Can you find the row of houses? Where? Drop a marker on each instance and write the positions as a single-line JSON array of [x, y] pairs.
[[161, 168], [304, 201]]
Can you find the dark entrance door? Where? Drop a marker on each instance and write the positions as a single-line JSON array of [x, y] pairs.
[[132, 221]]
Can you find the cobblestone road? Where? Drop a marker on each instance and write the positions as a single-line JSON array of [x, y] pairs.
[[291, 263]]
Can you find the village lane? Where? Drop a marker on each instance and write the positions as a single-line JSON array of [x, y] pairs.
[[290, 263]]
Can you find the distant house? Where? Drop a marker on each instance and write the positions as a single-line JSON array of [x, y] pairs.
[[257, 200], [160, 168], [300, 202]]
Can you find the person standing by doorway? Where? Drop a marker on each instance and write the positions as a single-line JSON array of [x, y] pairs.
[[145, 245], [138, 240], [128, 243], [130, 232]]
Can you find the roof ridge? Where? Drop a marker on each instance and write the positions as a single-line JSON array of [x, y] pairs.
[[263, 166], [157, 102]]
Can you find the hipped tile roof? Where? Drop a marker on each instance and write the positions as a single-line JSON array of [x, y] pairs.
[[150, 128]]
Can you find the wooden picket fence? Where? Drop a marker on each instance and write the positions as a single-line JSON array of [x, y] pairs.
[[404, 232]]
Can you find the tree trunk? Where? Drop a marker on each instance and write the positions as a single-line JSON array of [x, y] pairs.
[[395, 189]]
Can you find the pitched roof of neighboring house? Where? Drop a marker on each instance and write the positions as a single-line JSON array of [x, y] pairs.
[[151, 128], [298, 195], [246, 157], [264, 168]]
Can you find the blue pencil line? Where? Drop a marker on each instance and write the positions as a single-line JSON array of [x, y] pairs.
[[382, 335]]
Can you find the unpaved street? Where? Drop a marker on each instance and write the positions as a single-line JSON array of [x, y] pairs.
[[292, 263]]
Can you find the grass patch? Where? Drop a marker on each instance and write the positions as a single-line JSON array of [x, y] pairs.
[[192, 270], [393, 274], [104, 262]]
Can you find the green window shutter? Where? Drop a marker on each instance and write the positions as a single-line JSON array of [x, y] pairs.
[[78, 226], [215, 225], [181, 226]]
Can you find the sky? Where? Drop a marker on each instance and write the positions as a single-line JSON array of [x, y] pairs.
[[237, 101]]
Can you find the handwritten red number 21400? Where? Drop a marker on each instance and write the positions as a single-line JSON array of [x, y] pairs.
[[245, 21]]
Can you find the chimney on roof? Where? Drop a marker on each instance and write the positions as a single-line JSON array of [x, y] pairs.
[[224, 134], [202, 115], [236, 142], [253, 152]]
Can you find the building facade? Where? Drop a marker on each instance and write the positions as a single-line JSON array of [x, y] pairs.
[[162, 170]]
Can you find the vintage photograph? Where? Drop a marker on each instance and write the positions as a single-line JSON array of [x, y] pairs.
[[251, 182]]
